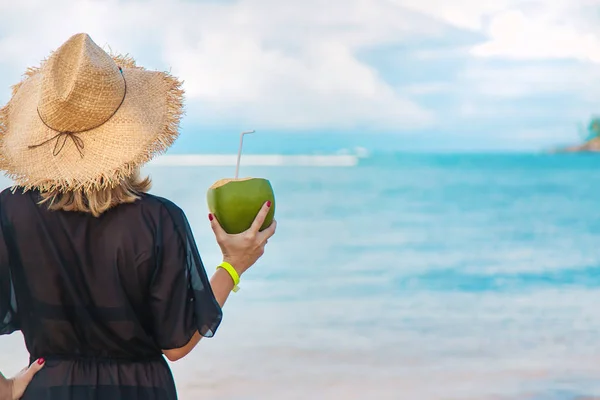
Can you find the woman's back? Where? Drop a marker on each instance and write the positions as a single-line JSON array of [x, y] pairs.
[[104, 296]]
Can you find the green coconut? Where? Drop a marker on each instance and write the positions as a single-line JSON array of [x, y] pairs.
[[236, 202]]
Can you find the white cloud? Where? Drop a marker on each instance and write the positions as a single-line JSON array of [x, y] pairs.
[[285, 65], [520, 29], [318, 84], [464, 14], [257, 62], [552, 48], [427, 88], [541, 33]]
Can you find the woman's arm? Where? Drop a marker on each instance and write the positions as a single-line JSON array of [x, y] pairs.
[[222, 285], [241, 251]]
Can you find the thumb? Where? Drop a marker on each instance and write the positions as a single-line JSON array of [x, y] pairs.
[[33, 369], [22, 380], [216, 227]]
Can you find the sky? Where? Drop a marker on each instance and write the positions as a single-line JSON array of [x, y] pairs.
[[320, 75]]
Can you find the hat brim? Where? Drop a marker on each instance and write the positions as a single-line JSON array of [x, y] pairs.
[[146, 124]]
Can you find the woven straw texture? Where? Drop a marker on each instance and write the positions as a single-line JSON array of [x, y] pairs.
[[121, 118]]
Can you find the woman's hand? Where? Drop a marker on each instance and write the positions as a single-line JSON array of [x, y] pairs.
[[244, 249], [13, 389]]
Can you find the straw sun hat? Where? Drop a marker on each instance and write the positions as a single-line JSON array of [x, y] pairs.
[[85, 120]]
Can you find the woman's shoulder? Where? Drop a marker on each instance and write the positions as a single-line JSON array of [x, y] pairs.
[[15, 194], [161, 206], [149, 207], [165, 213], [152, 200], [12, 191]]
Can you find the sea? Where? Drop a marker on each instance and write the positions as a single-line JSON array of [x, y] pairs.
[[405, 276]]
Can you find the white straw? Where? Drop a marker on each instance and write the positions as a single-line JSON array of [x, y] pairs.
[[239, 157]]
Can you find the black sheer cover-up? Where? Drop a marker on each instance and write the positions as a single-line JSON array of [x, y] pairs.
[[99, 298]]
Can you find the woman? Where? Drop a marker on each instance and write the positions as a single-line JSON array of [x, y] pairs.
[[102, 278]]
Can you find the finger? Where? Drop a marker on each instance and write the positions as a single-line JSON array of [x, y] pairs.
[[268, 233], [260, 217], [216, 227]]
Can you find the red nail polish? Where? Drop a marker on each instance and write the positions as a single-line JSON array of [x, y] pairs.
[[268, 204], [210, 217], [40, 361]]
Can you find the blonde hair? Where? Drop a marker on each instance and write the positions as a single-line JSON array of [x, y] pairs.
[[97, 202]]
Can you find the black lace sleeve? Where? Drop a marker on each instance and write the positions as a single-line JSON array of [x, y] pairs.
[[182, 299], [8, 304]]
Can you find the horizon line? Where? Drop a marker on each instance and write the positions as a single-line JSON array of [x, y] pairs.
[[220, 160]]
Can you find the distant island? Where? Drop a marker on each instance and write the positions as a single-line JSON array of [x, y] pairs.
[[591, 140]]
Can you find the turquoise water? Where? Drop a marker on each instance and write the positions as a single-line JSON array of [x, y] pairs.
[[409, 276]]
